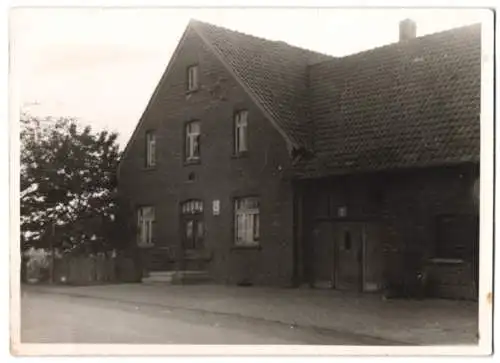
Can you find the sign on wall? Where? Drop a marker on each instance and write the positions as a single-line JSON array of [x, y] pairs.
[[216, 207], [342, 212]]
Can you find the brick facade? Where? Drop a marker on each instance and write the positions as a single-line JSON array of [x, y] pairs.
[[392, 213], [219, 176]]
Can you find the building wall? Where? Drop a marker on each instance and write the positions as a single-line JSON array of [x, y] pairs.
[[219, 176], [401, 209]]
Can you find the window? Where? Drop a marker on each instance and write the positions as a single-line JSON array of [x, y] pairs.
[[192, 78], [240, 132], [192, 207], [150, 149], [247, 221], [347, 240], [193, 141], [145, 221], [457, 236]]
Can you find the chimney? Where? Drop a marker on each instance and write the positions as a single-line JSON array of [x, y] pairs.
[[407, 30]]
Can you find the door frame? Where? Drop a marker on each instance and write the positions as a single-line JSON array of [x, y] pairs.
[[363, 222], [360, 255], [196, 219], [191, 212]]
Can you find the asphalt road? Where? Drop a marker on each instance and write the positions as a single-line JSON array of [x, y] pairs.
[[52, 318]]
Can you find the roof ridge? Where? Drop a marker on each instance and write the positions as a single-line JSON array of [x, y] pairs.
[[196, 21], [396, 43]]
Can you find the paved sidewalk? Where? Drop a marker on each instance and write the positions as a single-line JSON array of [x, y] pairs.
[[427, 322]]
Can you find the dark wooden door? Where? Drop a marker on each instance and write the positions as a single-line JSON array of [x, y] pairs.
[[349, 248], [192, 227]]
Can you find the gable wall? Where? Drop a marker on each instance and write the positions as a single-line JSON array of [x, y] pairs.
[[219, 176]]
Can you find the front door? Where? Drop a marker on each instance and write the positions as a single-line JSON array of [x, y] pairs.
[[193, 233], [349, 251], [192, 229]]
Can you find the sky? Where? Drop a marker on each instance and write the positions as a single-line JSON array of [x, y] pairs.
[[101, 65]]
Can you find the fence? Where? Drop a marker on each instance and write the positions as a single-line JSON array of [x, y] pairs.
[[85, 270]]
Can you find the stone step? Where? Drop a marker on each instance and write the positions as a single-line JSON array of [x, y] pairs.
[[176, 277]]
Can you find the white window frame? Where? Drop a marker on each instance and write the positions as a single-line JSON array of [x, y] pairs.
[[145, 224], [246, 221], [192, 206], [150, 149], [241, 132], [192, 78], [192, 141]]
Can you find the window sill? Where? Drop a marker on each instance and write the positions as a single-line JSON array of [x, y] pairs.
[[240, 155], [149, 168], [247, 247], [192, 162], [446, 261], [191, 91]]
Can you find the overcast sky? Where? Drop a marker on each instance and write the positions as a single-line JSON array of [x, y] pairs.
[[102, 65]]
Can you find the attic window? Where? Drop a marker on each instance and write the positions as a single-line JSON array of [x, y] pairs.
[[192, 78], [240, 132], [150, 149]]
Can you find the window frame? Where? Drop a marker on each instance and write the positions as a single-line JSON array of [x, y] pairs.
[[192, 83], [236, 132], [245, 213], [192, 207], [454, 252], [151, 226], [189, 138], [150, 139]]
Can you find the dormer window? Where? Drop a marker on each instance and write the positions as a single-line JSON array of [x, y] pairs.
[[192, 78]]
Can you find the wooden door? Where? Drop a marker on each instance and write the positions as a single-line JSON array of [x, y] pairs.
[[349, 249], [192, 229], [192, 232]]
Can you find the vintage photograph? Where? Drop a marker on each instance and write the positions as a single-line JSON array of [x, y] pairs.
[[251, 176]]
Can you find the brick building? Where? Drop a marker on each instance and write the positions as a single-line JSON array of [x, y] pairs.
[[264, 163]]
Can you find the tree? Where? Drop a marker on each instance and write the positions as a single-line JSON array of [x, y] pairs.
[[68, 186]]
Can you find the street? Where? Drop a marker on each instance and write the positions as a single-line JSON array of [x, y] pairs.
[[52, 318]]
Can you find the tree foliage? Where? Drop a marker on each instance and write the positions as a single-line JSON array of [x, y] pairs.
[[68, 180]]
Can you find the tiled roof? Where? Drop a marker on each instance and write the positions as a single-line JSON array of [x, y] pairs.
[[274, 72], [409, 104]]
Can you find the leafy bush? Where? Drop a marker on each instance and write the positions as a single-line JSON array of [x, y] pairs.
[[38, 262]]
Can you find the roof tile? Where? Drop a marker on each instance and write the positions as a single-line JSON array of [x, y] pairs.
[[274, 71], [408, 104]]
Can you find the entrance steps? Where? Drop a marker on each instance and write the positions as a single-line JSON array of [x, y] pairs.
[[177, 277]]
